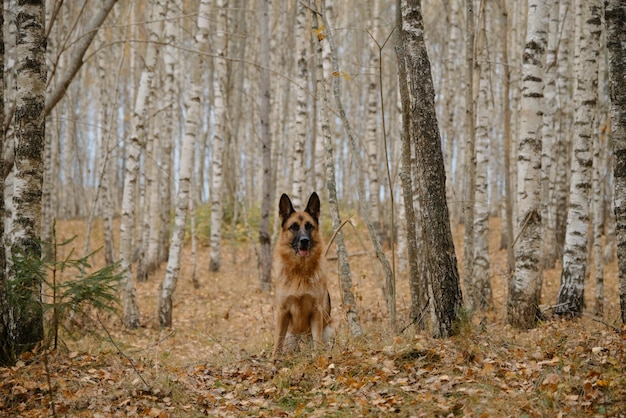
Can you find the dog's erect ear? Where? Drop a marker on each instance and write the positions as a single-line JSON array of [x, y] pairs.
[[313, 207], [285, 209]]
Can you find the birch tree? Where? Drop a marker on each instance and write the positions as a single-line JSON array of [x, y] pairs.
[[390, 284], [479, 292], [348, 300], [219, 137], [525, 286], [298, 170], [371, 122], [6, 351], [135, 147], [185, 172], [26, 328], [549, 157], [506, 140], [265, 244], [571, 299], [470, 155], [418, 108], [615, 18]]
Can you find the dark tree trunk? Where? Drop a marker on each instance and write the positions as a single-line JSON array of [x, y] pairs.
[[421, 129], [265, 245], [615, 18]]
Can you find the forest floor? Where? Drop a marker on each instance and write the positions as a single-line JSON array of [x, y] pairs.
[[215, 360]]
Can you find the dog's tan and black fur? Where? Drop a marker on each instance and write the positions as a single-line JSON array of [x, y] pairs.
[[302, 299]]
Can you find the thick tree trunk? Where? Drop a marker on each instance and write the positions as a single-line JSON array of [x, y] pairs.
[[615, 18], [525, 287], [571, 298], [418, 105], [26, 327]]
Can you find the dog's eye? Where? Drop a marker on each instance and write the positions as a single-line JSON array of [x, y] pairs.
[[308, 226], [294, 227]]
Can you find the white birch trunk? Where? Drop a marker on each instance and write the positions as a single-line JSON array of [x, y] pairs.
[[479, 297], [548, 163], [469, 189], [217, 208], [135, 147], [302, 92], [525, 286], [563, 124], [26, 328], [371, 125], [571, 299], [182, 205], [173, 73]]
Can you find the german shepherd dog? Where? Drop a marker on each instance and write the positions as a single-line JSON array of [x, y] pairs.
[[302, 300]]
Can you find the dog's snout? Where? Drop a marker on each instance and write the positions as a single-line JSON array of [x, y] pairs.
[[304, 242]]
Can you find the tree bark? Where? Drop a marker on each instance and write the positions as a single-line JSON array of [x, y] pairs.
[[6, 352], [27, 315], [136, 145], [615, 18], [267, 194], [221, 128], [298, 170], [470, 156], [525, 287], [478, 297], [418, 106], [571, 297]]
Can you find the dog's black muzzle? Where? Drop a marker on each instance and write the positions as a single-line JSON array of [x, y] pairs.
[[302, 243]]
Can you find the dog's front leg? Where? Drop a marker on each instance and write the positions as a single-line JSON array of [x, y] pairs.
[[280, 330], [317, 328]]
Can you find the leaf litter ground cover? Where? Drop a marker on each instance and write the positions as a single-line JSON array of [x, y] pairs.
[[215, 360]]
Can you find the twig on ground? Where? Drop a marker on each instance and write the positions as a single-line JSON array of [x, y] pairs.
[[159, 341], [603, 322], [119, 350]]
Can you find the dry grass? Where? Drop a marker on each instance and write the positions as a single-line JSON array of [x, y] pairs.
[[215, 359]]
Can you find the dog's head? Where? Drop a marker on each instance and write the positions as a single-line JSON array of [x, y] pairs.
[[301, 225]]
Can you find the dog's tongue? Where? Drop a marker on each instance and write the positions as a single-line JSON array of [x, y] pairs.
[[303, 253]]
